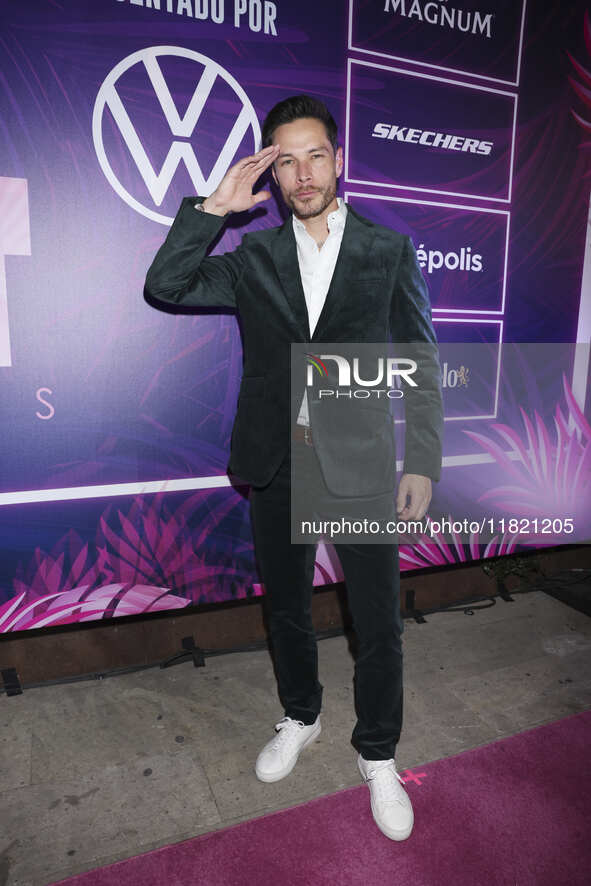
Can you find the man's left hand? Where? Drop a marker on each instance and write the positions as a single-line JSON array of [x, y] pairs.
[[418, 489]]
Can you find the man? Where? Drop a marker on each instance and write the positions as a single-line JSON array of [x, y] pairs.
[[325, 275]]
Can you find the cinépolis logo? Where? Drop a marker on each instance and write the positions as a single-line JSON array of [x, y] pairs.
[[464, 260], [439, 13]]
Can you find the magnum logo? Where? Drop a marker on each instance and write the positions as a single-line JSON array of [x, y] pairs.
[[466, 20]]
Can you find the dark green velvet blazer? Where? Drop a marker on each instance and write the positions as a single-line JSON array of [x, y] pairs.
[[377, 294]]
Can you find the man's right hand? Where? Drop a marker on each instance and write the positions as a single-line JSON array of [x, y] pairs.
[[234, 192]]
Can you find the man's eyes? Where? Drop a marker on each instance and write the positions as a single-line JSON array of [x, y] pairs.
[[289, 160]]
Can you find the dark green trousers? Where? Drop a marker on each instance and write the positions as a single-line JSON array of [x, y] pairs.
[[372, 578]]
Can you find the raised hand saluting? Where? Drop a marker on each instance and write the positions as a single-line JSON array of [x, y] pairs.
[[234, 192]]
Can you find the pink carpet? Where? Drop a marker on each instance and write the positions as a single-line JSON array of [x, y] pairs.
[[511, 813]]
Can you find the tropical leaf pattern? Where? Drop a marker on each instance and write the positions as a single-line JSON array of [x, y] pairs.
[[150, 557], [431, 549], [82, 604], [146, 559], [551, 472]]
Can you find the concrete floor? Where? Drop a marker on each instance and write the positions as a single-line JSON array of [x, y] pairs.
[[94, 772]]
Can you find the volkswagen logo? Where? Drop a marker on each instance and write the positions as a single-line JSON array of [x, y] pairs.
[[185, 138]]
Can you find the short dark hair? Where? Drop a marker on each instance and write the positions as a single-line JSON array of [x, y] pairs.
[[294, 108]]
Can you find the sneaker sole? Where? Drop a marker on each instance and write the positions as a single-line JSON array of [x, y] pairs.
[[277, 776], [392, 835]]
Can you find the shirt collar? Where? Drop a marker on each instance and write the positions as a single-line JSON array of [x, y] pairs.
[[336, 220]]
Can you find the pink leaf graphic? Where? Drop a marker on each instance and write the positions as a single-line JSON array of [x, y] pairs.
[[581, 91], [65, 607], [513, 440], [497, 453], [408, 557], [575, 412], [581, 71], [24, 610], [125, 551], [584, 123], [9, 607], [545, 447], [133, 535]]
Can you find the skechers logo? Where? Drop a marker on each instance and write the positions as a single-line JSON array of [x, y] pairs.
[[431, 139]]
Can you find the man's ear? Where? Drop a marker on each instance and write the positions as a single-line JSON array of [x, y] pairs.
[[339, 161]]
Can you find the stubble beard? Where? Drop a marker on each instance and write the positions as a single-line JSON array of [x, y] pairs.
[[310, 208]]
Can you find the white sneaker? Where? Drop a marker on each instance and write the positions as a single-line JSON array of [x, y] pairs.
[[390, 804], [280, 754]]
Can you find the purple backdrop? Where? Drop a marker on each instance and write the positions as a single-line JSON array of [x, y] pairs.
[[465, 124]]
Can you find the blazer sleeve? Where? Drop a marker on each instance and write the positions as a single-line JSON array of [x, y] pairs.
[[411, 324], [182, 274]]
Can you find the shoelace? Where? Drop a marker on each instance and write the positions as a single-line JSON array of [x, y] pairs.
[[284, 732], [384, 786]]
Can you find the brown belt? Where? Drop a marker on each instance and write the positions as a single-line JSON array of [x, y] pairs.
[[303, 434]]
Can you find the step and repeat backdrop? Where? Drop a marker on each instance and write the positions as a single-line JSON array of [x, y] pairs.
[[464, 123]]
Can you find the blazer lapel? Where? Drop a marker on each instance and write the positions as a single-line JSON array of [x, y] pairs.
[[355, 246], [285, 258]]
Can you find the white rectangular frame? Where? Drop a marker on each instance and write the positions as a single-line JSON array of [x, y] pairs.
[[381, 184], [352, 48], [413, 201]]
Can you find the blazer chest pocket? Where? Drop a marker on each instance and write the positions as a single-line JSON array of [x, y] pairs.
[[252, 386]]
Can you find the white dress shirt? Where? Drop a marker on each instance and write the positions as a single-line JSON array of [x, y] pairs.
[[316, 270]]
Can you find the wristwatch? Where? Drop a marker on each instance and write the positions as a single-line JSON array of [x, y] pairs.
[[201, 208]]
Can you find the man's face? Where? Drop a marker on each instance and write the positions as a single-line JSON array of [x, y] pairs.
[[307, 167]]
